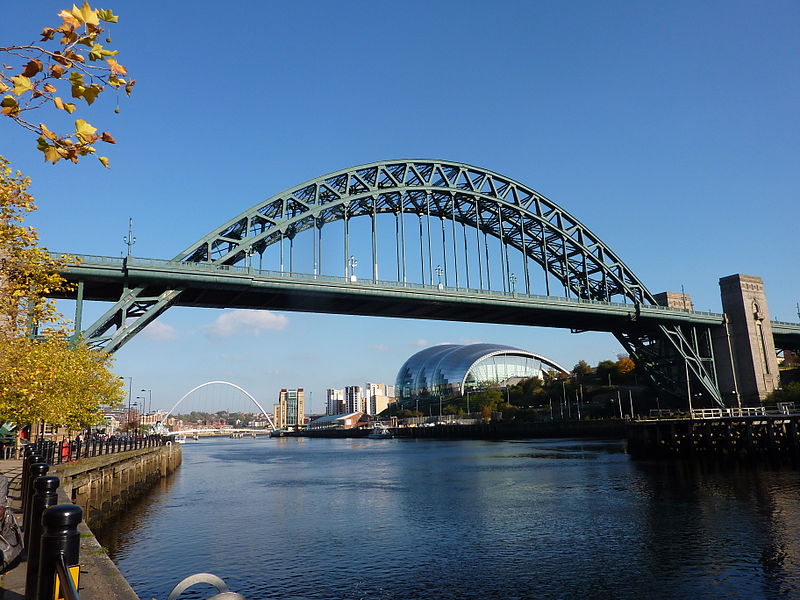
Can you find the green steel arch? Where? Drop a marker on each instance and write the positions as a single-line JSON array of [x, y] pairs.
[[457, 194]]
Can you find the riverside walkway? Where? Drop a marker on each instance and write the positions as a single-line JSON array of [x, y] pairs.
[[99, 576]]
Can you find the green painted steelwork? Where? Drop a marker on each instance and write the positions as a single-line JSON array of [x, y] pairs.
[[662, 341]]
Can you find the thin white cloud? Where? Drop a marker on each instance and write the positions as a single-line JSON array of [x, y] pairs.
[[379, 347], [420, 343], [245, 322], [159, 332]]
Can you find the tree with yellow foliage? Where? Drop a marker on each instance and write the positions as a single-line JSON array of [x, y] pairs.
[[42, 378]]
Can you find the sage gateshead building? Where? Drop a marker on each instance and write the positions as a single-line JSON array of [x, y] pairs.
[[451, 370]]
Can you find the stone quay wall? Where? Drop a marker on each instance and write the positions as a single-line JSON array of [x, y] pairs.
[[104, 485]]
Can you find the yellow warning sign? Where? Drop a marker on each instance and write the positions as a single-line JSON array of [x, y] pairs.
[[75, 574]]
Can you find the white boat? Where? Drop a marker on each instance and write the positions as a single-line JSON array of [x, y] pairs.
[[180, 439], [380, 432]]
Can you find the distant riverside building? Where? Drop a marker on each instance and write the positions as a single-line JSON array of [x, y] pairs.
[[353, 399], [452, 370], [345, 421], [290, 409], [335, 403], [377, 397]]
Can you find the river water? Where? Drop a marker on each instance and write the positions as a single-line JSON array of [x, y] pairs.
[[423, 519]]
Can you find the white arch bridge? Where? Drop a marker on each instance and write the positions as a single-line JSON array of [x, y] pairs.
[[218, 382]]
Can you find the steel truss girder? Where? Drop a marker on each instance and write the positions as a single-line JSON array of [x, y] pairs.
[[516, 215], [132, 313], [676, 359]]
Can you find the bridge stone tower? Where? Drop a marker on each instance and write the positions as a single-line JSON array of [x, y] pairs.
[[751, 371]]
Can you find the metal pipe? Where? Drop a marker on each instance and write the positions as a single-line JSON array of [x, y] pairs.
[[346, 240], [430, 246], [403, 238], [524, 252], [374, 216], [421, 252], [488, 270], [478, 244], [444, 249], [466, 251], [453, 231]]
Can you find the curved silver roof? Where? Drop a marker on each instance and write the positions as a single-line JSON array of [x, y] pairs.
[[431, 370]]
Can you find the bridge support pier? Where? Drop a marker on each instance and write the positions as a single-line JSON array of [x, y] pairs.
[[747, 365]]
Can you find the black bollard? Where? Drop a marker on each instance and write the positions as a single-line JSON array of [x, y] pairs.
[[27, 486], [33, 457], [45, 495], [37, 469], [60, 538]]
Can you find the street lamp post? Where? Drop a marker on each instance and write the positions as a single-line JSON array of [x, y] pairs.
[[149, 400], [513, 279], [439, 272], [352, 263], [129, 239]]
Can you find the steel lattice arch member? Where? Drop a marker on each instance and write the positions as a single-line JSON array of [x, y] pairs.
[[450, 370], [459, 212]]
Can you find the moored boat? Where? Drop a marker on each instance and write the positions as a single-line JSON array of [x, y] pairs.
[[380, 432]]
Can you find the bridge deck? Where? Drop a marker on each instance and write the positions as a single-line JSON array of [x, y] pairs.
[[212, 286]]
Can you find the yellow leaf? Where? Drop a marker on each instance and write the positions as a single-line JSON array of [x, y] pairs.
[[69, 19], [104, 161], [89, 15], [90, 93], [49, 88], [116, 67], [84, 131], [52, 154], [69, 107], [3, 87], [107, 15], [21, 84], [46, 132], [76, 14], [59, 103]]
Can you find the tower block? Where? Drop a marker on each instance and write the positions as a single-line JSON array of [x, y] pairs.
[[751, 371]]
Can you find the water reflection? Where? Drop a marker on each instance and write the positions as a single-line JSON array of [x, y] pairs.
[[294, 518]]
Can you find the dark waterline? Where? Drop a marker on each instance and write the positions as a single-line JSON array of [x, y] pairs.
[[425, 519]]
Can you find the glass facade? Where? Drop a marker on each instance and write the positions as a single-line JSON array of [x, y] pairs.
[[451, 369]]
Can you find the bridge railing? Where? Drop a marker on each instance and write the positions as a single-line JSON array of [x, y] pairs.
[[316, 278]]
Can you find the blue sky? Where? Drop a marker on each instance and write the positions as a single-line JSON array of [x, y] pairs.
[[671, 130]]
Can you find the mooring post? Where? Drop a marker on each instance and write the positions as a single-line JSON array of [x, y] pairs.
[[45, 495], [60, 541]]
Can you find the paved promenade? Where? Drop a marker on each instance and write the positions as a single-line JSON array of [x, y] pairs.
[[99, 579]]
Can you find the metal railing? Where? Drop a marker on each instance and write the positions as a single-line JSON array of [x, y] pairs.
[[784, 408], [316, 278], [56, 453]]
